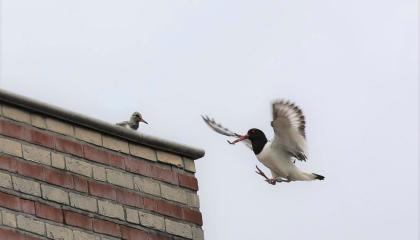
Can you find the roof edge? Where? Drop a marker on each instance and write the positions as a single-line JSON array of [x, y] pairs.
[[99, 125]]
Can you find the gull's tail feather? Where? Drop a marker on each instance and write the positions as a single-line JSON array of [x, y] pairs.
[[319, 177], [304, 176]]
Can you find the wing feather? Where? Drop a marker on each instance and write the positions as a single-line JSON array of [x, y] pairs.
[[289, 128], [217, 127]]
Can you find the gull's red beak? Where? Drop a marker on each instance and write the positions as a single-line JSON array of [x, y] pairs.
[[241, 138]]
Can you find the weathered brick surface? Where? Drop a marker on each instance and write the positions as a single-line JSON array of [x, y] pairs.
[[36, 154], [179, 229], [174, 193], [79, 167], [57, 161], [193, 200], [9, 219], [115, 144], [60, 127], [170, 158], [30, 224], [55, 194], [83, 202], [5, 180], [10, 147], [26, 186], [189, 165], [112, 210], [58, 232], [99, 173], [99, 185], [132, 215], [143, 152], [197, 233], [147, 185], [16, 114], [78, 235], [38, 121], [120, 179], [152, 221], [88, 136]]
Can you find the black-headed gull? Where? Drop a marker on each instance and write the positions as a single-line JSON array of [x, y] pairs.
[[134, 121], [287, 145]]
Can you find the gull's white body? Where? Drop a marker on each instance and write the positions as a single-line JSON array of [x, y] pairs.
[[281, 164]]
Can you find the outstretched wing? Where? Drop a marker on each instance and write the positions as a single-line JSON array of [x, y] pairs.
[[217, 127], [289, 128]]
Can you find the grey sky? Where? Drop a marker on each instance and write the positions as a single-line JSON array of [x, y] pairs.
[[351, 65]]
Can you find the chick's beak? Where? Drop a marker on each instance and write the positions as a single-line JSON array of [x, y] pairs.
[[142, 120], [241, 138]]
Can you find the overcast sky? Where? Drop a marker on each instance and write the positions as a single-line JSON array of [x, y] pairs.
[[351, 65]]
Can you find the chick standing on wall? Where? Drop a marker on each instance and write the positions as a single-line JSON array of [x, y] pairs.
[[135, 119]]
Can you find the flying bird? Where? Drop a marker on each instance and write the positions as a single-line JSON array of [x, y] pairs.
[[134, 121], [279, 154]]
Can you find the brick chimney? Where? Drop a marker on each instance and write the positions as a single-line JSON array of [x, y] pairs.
[[70, 177]]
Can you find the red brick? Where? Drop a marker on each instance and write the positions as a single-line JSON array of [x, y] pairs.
[[59, 178], [137, 166], [164, 174], [129, 198], [8, 234], [150, 204], [102, 190], [169, 209], [144, 168], [27, 237], [31, 170], [8, 163], [158, 237], [106, 227], [67, 146], [48, 212], [40, 138], [95, 154], [78, 220], [80, 184], [128, 233], [13, 130], [27, 206], [192, 216], [117, 161], [9, 201], [130, 165], [188, 182]]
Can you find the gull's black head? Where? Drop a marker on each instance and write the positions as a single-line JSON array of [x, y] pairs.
[[258, 139]]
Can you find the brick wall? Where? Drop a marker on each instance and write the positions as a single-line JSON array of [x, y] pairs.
[[59, 180]]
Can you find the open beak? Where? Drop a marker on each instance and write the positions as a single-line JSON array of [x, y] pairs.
[[241, 138], [142, 120]]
